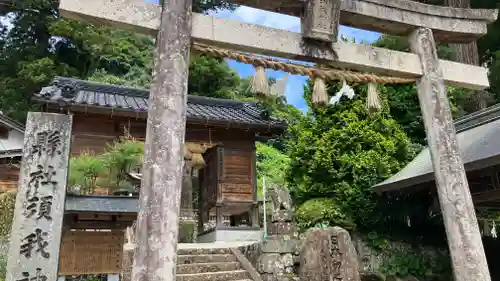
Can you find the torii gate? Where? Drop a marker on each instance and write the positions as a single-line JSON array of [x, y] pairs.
[[177, 28]]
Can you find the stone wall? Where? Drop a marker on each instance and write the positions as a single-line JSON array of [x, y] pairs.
[[252, 252], [371, 260], [281, 249]]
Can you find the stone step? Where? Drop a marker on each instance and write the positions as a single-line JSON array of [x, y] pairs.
[[214, 276], [190, 259], [207, 267], [204, 251]]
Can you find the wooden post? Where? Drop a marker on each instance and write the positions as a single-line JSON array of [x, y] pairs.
[[464, 240], [158, 218], [219, 218], [187, 190], [38, 217]]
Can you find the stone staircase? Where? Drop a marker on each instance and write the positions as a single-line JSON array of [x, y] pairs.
[[209, 264]]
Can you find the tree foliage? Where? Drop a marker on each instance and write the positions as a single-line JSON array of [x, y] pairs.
[[342, 151], [322, 211], [7, 205], [40, 45], [84, 172], [271, 165], [89, 172]]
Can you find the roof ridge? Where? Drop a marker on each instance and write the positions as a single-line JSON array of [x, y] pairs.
[[144, 93], [101, 87], [478, 118], [66, 91]]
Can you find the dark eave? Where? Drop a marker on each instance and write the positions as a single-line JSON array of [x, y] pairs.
[[74, 94], [9, 122], [11, 153], [101, 204], [478, 137]]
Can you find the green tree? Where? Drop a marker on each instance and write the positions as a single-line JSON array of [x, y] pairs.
[[271, 165], [41, 45], [341, 151], [489, 49]]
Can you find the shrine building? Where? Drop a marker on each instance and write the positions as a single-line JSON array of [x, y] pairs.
[[477, 135], [11, 151], [226, 184]]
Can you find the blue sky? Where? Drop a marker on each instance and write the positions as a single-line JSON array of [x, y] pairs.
[[294, 88]]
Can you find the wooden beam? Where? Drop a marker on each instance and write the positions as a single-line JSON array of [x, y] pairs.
[[488, 196], [398, 17], [98, 225], [464, 240], [144, 17]]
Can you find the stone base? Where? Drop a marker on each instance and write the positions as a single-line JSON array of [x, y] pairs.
[[231, 234]]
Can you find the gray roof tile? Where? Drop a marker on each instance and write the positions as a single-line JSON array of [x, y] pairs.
[[84, 93], [477, 135]]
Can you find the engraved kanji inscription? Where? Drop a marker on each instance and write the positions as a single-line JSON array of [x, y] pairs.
[[39, 212], [34, 242], [38, 276], [39, 206], [41, 176], [337, 258], [47, 142]]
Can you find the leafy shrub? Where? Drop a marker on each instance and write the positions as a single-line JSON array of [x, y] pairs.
[[7, 206], [88, 171], [322, 211], [342, 151], [121, 156], [4, 249], [271, 164], [84, 172], [415, 264], [187, 231]]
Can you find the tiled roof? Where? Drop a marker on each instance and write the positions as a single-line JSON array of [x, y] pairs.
[[9, 122], [102, 204], [477, 135], [69, 91]]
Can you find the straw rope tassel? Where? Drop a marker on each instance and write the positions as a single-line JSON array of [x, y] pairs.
[[373, 103], [196, 150], [319, 94], [260, 86]]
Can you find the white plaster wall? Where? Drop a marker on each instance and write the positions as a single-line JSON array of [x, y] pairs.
[[14, 141]]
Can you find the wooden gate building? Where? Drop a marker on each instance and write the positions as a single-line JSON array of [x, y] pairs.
[[227, 128]]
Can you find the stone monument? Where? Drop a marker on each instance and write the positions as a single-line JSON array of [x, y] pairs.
[[328, 255], [38, 216]]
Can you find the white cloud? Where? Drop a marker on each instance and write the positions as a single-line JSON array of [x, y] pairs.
[[266, 18]]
